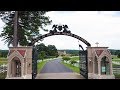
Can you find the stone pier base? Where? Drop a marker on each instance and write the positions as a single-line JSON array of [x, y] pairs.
[[96, 76], [28, 76]]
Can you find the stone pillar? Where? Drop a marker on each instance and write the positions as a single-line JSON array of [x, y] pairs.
[[8, 69], [93, 67], [26, 67], [22, 69], [111, 71], [99, 67]]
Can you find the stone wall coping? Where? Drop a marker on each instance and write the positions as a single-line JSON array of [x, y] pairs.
[[96, 47]]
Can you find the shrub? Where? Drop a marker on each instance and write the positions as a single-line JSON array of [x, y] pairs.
[[118, 55], [73, 62], [66, 58]]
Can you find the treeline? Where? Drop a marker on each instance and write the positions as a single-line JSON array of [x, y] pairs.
[[114, 52], [4, 53], [72, 52], [76, 52], [51, 51]]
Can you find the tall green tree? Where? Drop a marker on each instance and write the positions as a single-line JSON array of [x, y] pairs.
[[29, 23], [52, 51], [41, 47]]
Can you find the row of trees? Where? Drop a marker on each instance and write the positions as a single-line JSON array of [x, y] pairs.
[[3, 53], [115, 52], [46, 51]]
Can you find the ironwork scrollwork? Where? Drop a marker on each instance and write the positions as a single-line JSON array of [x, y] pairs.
[[60, 28]]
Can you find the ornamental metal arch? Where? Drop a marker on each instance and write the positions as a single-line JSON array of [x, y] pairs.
[[60, 30]]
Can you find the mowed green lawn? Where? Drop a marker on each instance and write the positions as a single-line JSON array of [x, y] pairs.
[[73, 68], [3, 61], [40, 65]]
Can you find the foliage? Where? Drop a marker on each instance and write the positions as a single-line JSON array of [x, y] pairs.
[[73, 62], [114, 52], [50, 50], [29, 23], [66, 58], [118, 55], [76, 58], [3, 53], [3, 75], [42, 55]]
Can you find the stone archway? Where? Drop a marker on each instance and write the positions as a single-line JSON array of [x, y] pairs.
[[16, 67], [19, 63]]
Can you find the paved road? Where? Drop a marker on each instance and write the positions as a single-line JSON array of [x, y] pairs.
[[55, 70], [65, 75], [55, 67]]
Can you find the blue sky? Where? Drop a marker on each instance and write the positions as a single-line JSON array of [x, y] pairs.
[[94, 26]]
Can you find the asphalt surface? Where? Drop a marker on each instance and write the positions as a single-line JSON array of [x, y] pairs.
[[55, 66]]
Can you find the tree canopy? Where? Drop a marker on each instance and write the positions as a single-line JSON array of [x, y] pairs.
[[29, 23], [49, 50]]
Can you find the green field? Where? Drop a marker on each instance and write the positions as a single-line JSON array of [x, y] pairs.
[[73, 68]]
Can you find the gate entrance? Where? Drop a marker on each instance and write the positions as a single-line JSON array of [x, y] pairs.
[[61, 30], [95, 62]]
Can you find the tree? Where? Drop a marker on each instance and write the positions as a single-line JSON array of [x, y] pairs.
[[0, 54], [29, 23], [41, 47], [42, 55], [52, 51], [118, 55], [117, 52], [15, 42], [4, 53]]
